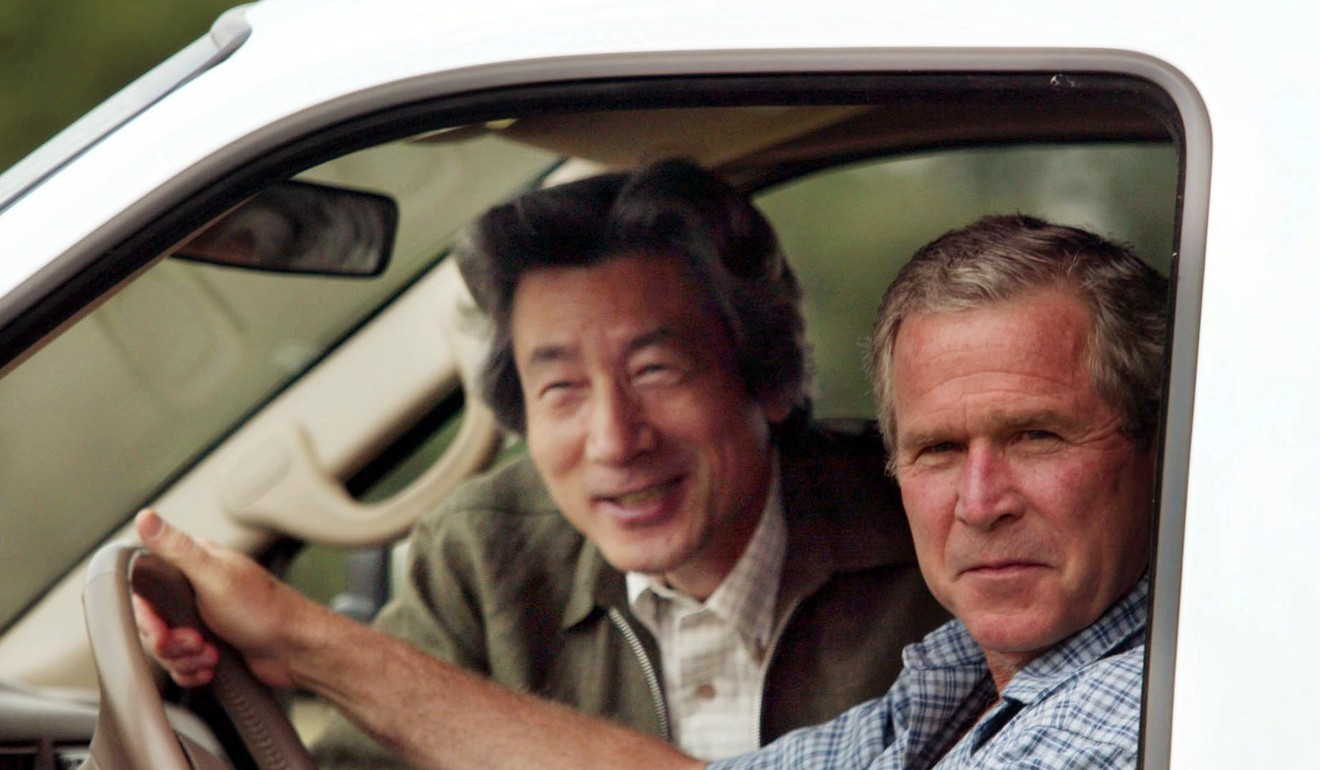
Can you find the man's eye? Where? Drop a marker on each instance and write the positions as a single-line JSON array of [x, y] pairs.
[[556, 388], [935, 453], [657, 374], [1039, 435]]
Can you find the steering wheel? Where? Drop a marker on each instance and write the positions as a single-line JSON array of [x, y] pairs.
[[132, 731]]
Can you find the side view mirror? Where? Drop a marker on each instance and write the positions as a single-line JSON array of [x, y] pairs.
[[301, 227]]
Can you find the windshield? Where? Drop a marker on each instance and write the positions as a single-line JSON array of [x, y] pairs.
[[98, 421]]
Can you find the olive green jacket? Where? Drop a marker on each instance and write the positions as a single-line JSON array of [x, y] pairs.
[[501, 584]]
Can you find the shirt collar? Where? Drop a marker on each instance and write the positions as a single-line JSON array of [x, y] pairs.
[[746, 597], [1120, 628]]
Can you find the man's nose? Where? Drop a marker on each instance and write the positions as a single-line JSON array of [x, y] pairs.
[[988, 494], [618, 429]]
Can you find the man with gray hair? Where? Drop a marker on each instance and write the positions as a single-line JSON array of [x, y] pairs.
[[1018, 369]]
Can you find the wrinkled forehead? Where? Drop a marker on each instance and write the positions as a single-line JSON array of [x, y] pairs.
[[1040, 336]]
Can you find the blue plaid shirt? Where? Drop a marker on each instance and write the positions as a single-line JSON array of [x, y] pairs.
[[1076, 706]]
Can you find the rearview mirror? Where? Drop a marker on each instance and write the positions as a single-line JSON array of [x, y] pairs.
[[301, 227]]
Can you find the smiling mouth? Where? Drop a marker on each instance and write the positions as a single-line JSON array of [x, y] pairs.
[[642, 497]]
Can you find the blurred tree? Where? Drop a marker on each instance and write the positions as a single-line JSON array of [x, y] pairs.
[[60, 58]]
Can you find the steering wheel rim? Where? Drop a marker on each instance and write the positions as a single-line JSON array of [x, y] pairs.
[[132, 730]]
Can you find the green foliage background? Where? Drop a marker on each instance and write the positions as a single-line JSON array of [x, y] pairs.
[[60, 58]]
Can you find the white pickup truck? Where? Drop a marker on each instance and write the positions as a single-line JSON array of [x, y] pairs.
[[153, 353]]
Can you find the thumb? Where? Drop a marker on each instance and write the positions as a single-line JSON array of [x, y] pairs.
[[238, 600], [174, 545]]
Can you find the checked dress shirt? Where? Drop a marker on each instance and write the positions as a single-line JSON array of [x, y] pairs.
[[1076, 706]]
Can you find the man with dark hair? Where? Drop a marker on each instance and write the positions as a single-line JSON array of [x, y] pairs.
[[679, 551], [1018, 370], [671, 210]]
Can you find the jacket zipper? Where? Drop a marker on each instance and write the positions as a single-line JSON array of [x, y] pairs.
[[648, 671]]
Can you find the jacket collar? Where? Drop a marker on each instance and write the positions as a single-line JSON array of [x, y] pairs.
[[843, 514]]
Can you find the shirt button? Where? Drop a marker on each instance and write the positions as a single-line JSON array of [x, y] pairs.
[[706, 691]]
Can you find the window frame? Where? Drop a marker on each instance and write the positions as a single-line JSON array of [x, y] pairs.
[[118, 249]]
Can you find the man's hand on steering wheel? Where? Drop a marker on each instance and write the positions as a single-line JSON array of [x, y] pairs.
[[238, 600]]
